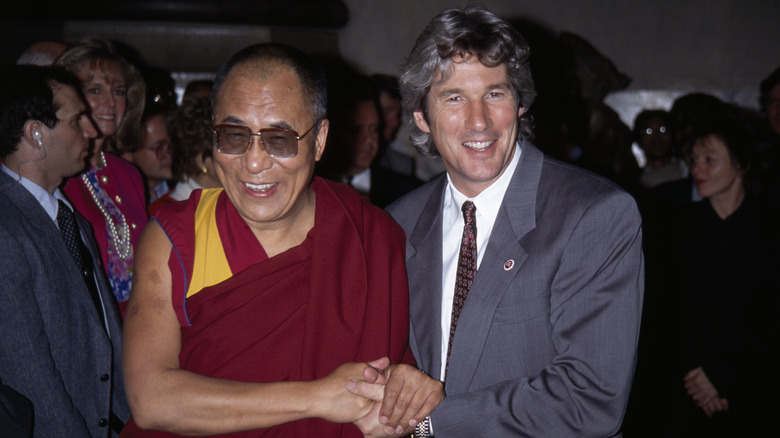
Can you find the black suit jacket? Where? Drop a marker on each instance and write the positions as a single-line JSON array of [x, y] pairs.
[[388, 185]]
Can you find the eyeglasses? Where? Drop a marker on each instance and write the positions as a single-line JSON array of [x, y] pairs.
[[649, 131], [279, 143], [161, 151]]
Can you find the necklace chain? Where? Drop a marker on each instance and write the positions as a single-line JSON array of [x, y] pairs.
[[120, 233]]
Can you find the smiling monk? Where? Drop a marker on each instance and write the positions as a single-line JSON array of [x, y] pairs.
[[256, 304]]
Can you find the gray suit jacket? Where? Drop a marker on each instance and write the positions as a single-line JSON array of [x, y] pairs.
[[54, 349], [547, 346]]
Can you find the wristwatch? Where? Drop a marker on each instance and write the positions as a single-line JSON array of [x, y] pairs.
[[423, 429]]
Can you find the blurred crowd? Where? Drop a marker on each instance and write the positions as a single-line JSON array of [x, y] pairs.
[[708, 190]]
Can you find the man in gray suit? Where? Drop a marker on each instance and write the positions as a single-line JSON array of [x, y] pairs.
[[545, 341], [61, 339]]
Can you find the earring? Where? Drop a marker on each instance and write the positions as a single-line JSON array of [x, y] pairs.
[[204, 170]]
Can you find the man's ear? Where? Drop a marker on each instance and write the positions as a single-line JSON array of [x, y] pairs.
[[33, 133], [322, 136], [419, 120], [127, 156]]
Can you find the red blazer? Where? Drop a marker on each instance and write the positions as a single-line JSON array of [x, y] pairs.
[[122, 181]]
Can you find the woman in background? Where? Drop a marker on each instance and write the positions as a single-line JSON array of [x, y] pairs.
[[723, 260], [193, 166], [110, 193]]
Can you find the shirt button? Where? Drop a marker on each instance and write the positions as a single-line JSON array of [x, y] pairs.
[[104, 179], [118, 199], [104, 378], [133, 225], [103, 422]]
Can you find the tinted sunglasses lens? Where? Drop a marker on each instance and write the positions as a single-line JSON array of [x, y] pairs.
[[232, 140], [280, 144]]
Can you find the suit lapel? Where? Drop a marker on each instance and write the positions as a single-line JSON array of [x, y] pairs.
[[424, 253], [50, 238], [500, 266]]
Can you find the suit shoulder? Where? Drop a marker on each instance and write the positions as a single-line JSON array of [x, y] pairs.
[[578, 181], [582, 189], [13, 207]]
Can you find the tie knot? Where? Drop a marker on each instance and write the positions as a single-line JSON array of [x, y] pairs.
[[468, 209]]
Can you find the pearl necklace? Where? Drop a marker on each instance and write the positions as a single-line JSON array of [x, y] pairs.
[[120, 236]]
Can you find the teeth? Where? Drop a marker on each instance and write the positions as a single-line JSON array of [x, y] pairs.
[[259, 186], [478, 145]]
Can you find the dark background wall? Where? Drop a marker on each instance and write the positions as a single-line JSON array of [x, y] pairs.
[[665, 47]]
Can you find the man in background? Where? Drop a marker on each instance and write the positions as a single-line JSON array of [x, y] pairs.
[[61, 330]]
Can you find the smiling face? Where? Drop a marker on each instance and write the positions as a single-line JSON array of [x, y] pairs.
[[713, 169], [473, 121], [267, 191], [106, 92]]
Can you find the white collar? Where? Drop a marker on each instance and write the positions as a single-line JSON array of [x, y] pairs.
[[45, 199], [488, 202]]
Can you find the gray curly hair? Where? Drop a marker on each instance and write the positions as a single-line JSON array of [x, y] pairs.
[[473, 31]]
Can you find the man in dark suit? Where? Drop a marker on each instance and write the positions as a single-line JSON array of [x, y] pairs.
[[61, 340], [545, 341], [354, 143]]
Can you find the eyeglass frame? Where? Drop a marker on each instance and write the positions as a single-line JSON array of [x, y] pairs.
[[161, 151], [259, 133]]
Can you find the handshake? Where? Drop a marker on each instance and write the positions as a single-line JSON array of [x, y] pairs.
[[380, 399]]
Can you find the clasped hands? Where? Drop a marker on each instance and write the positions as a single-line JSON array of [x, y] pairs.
[[703, 392], [402, 397]]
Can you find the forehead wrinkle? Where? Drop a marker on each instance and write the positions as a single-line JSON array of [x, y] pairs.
[[260, 72], [233, 120]]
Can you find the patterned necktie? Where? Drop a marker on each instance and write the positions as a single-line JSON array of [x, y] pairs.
[[467, 269], [70, 233]]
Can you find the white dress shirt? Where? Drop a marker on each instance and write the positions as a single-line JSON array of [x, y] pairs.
[[488, 203], [361, 181]]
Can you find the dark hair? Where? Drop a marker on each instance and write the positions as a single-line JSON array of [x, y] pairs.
[[387, 84], [261, 57], [96, 53], [689, 111], [196, 86], [766, 86], [346, 92], [473, 31], [191, 125], [28, 94], [152, 109], [644, 117], [731, 127]]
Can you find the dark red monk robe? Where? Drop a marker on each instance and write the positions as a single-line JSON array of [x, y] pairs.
[[341, 296]]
